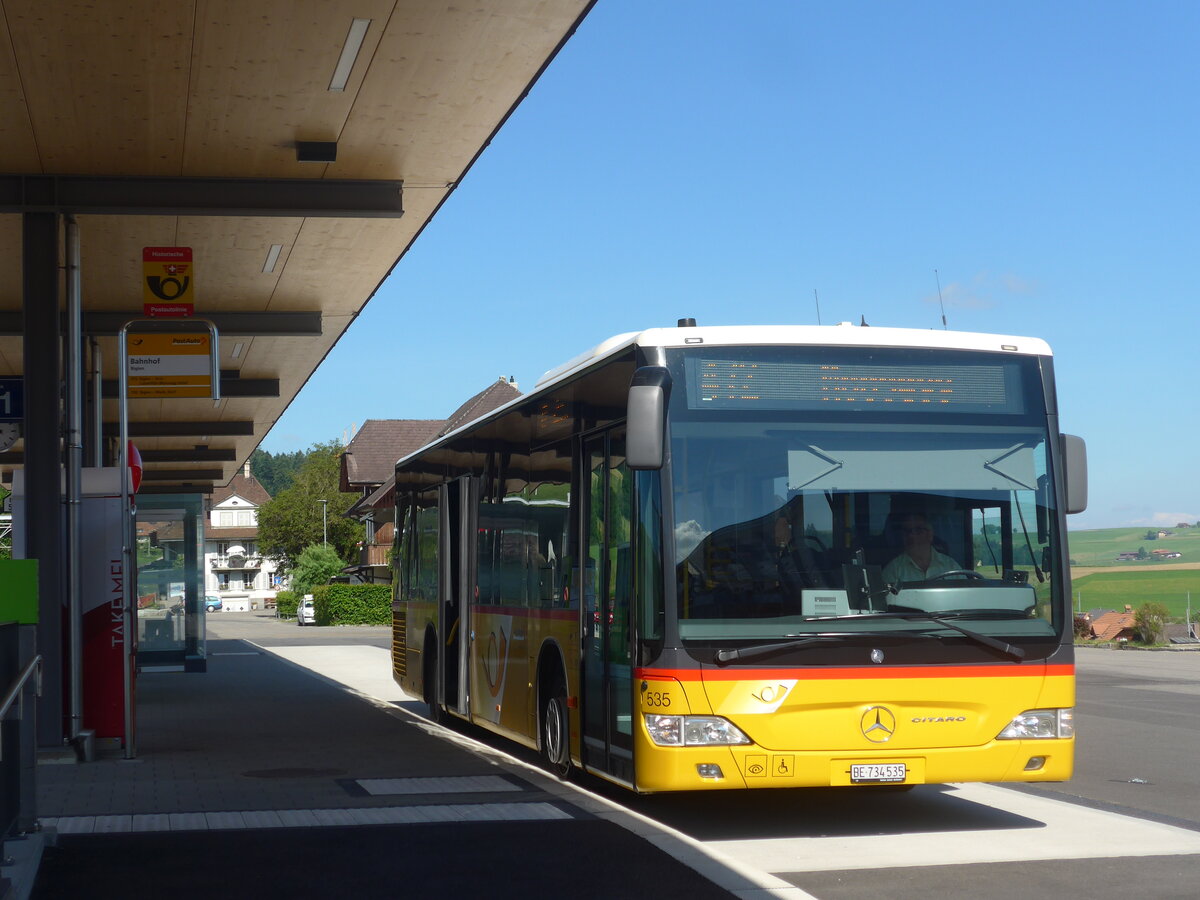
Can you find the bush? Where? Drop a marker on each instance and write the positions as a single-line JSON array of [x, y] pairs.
[[317, 563], [1083, 628], [353, 604], [1150, 620], [286, 603]]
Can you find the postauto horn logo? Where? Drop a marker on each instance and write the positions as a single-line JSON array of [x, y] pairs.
[[878, 724]]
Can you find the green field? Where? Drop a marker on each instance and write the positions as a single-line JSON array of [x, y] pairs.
[[1102, 546], [1113, 590]]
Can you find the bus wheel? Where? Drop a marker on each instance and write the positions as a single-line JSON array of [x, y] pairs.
[[556, 742], [429, 691]]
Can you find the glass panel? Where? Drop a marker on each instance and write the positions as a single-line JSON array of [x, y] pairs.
[[170, 579], [594, 660], [425, 581], [523, 547], [779, 526], [402, 549], [619, 593], [162, 576], [650, 553]]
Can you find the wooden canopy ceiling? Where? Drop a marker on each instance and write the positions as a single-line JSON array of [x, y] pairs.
[[127, 92]]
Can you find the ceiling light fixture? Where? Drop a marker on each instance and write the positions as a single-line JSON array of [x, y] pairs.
[[272, 258], [354, 40], [237, 350], [316, 151]]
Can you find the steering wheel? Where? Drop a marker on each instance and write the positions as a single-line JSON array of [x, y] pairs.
[[965, 573]]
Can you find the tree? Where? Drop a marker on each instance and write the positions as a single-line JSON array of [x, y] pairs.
[[1150, 620], [1142, 554], [315, 565], [276, 471], [293, 519]]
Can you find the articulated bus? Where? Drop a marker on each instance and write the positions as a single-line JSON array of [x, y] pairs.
[[747, 557]]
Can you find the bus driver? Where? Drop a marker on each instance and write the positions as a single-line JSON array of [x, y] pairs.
[[920, 559]]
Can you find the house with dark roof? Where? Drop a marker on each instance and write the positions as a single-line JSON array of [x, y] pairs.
[[234, 570], [1181, 633], [368, 468], [370, 457]]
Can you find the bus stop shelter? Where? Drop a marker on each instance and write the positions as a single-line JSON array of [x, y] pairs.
[[296, 149]]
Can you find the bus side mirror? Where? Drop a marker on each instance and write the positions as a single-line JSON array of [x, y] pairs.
[[646, 426], [1074, 454]]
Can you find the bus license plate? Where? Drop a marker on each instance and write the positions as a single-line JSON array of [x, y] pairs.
[[878, 773]]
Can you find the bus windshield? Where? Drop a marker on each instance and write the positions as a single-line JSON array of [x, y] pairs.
[[790, 519]]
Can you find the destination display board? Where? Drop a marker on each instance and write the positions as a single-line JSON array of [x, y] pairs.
[[767, 384]]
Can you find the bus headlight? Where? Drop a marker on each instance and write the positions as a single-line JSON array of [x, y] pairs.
[[1040, 723], [693, 731]]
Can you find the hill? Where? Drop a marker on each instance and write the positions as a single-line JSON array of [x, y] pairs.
[[1102, 547]]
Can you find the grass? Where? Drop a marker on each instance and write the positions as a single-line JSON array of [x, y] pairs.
[[1149, 579], [1113, 590]]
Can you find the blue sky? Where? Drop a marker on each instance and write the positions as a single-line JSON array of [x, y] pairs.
[[722, 161]]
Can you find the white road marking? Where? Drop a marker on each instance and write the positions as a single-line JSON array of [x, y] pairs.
[[308, 818], [459, 784], [1067, 831]]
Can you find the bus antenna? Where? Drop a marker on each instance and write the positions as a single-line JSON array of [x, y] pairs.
[[817, 300], [940, 303]]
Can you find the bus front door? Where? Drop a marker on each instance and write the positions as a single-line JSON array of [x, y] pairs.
[[458, 576], [607, 588]]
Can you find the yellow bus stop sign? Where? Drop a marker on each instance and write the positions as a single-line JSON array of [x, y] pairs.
[[169, 365]]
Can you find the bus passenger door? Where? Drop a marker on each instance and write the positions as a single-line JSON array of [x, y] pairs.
[[607, 588], [458, 579]]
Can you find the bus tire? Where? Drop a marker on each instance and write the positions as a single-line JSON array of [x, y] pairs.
[[429, 688], [555, 730]]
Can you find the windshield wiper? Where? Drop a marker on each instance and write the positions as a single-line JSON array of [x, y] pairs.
[[985, 639], [725, 657]]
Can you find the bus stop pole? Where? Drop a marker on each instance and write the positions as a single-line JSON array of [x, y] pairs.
[[128, 560]]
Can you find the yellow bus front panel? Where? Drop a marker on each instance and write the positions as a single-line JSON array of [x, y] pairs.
[[810, 728]]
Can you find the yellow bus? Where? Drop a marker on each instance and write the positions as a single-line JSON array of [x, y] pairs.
[[734, 557]]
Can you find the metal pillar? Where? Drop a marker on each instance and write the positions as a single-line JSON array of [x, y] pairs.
[[94, 432], [73, 350], [193, 618], [44, 527]]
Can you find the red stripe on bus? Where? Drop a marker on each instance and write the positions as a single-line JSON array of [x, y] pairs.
[[1024, 670]]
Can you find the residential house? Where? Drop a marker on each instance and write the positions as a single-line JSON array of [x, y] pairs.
[[1181, 633], [234, 570], [1113, 626], [1165, 554], [367, 462], [368, 466]]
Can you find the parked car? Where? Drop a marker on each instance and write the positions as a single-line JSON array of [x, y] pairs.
[[306, 613], [211, 603]]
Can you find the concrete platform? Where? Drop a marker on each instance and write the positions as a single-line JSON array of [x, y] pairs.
[[276, 752]]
